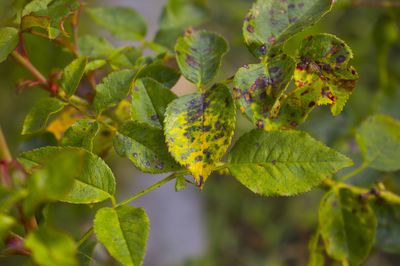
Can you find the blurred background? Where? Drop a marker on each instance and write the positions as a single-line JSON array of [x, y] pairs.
[[225, 224]]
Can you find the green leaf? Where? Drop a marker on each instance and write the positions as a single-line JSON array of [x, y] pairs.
[[94, 47], [174, 19], [199, 128], [6, 223], [379, 140], [72, 75], [37, 118], [199, 56], [95, 64], [85, 253], [94, 182], [123, 22], [270, 23], [163, 74], [50, 247], [124, 232], [145, 147], [282, 163], [113, 89], [149, 102], [8, 41], [50, 18], [8, 197], [35, 6], [347, 226], [54, 180], [259, 87], [81, 134], [388, 231]]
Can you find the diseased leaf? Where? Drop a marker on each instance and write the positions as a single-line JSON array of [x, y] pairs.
[[50, 247], [322, 77], [199, 128], [282, 163], [149, 102], [124, 232], [66, 118], [145, 147], [259, 87], [112, 89], [72, 75], [165, 75], [199, 56], [347, 226], [270, 23], [175, 19], [37, 118], [94, 182], [8, 41], [81, 134], [123, 22], [379, 140]]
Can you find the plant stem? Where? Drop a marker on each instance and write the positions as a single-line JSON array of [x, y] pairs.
[[5, 154], [355, 171], [31, 68], [383, 194], [86, 236], [90, 231], [147, 190]]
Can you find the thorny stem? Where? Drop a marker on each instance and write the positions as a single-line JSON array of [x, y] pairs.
[[31, 68], [86, 236], [5, 154]]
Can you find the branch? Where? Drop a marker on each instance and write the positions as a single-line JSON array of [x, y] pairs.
[[31, 68]]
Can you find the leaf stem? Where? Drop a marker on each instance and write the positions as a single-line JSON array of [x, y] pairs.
[[355, 171], [86, 236], [152, 187]]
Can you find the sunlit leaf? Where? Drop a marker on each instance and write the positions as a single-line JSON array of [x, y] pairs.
[[379, 141], [36, 120], [283, 163], [270, 23], [123, 22], [124, 232], [199, 55], [259, 87], [347, 226], [322, 77], [8, 41], [145, 147], [50, 247], [199, 128], [149, 102]]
